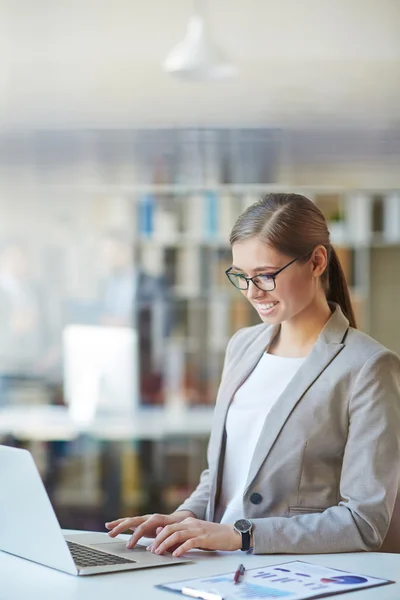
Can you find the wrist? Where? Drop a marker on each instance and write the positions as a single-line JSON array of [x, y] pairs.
[[236, 540], [181, 515], [244, 528]]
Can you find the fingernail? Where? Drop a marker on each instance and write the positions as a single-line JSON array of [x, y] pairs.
[[175, 553]]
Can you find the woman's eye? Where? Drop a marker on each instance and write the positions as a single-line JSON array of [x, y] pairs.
[[265, 277]]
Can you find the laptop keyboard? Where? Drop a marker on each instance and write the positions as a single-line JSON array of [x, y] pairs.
[[89, 557]]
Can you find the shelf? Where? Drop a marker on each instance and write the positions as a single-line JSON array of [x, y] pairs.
[[182, 240], [105, 189]]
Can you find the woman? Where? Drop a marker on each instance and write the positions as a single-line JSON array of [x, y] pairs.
[[305, 444]]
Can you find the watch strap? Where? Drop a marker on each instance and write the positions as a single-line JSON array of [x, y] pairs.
[[245, 541]]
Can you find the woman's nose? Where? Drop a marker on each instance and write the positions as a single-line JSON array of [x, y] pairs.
[[253, 291]]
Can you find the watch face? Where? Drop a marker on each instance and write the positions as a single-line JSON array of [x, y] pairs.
[[243, 525]]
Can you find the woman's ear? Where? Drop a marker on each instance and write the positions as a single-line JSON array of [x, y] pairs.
[[319, 260]]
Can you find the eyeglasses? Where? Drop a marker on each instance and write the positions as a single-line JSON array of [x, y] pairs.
[[264, 282]]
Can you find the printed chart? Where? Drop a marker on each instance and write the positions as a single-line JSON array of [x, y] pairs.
[[296, 580]]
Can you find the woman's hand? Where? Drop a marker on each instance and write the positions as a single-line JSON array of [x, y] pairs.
[[194, 533], [145, 525]]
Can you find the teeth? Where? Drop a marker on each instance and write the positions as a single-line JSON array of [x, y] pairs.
[[267, 306]]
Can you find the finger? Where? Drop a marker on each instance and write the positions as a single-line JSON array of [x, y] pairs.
[[159, 530], [138, 533], [147, 529], [186, 546], [170, 549], [175, 539], [166, 532], [123, 525], [129, 523], [111, 524]]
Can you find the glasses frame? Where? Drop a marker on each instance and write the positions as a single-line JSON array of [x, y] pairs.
[[272, 275]]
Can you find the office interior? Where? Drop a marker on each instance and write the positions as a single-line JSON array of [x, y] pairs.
[[120, 182]]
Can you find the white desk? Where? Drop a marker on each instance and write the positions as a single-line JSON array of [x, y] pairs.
[[23, 579], [53, 423], [147, 425]]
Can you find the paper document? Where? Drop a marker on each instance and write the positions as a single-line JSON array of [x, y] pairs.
[[295, 580]]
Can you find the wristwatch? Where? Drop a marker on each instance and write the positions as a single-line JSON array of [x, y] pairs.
[[244, 527]]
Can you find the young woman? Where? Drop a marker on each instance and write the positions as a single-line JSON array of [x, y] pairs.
[[304, 453]]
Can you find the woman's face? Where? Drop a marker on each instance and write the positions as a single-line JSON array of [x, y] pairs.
[[296, 287]]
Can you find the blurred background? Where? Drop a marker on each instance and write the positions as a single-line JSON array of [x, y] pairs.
[[125, 157]]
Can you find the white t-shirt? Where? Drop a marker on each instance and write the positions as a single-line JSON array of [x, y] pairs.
[[245, 419]]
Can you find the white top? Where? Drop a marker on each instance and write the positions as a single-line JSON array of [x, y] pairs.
[[245, 419]]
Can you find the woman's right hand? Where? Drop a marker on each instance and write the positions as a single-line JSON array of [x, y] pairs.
[[145, 525]]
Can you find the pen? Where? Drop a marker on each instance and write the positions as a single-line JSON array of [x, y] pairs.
[[238, 573], [186, 591]]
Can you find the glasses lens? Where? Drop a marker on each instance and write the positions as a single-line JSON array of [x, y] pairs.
[[265, 282], [238, 281]]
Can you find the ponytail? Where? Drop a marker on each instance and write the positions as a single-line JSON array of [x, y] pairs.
[[338, 289]]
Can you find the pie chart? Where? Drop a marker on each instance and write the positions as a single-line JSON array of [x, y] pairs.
[[345, 579]]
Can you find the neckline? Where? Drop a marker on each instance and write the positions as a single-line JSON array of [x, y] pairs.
[[285, 357]]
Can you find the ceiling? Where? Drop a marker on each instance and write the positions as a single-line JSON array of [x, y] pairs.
[[97, 63]]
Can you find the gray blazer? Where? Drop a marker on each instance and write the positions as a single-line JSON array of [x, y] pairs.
[[326, 469]]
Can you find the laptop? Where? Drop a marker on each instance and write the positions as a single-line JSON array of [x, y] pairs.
[[30, 528]]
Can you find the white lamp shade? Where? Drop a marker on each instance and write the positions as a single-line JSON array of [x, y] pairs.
[[196, 57]]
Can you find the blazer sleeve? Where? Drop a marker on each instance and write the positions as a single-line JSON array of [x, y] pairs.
[[369, 479], [198, 500]]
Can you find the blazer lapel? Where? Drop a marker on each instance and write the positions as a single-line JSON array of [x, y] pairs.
[[237, 372], [328, 345]]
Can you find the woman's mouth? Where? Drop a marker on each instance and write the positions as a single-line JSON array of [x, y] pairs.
[[266, 308]]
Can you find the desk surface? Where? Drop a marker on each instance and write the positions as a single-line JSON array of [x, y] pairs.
[[50, 423], [23, 579]]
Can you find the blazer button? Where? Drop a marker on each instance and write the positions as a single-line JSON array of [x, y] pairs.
[[256, 498]]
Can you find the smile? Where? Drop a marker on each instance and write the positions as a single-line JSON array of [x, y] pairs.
[[266, 308]]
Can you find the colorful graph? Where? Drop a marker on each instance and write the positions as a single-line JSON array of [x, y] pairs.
[[247, 590], [250, 590], [346, 579]]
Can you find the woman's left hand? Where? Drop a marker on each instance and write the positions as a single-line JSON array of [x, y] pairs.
[[194, 533]]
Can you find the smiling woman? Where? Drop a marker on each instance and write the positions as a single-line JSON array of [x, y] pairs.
[[290, 226], [304, 451]]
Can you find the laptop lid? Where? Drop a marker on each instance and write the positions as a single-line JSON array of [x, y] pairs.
[[30, 528]]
